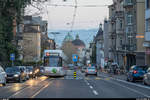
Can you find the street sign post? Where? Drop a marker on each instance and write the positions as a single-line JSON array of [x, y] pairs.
[[75, 57], [12, 58]]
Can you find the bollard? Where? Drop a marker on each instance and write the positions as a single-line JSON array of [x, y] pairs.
[[75, 75]]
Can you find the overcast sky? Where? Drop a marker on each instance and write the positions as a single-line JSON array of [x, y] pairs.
[[60, 17]]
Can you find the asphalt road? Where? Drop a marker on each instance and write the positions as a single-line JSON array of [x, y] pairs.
[[81, 87]]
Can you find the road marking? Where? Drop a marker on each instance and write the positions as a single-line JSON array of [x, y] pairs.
[[138, 85], [91, 87], [107, 78], [88, 84], [95, 92], [40, 90], [97, 78], [87, 78], [130, 89], [25, 87], [62, 78], [19, 91]]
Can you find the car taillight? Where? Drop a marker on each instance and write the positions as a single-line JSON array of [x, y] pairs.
[[95, 70], [134, 71], [86, 70]]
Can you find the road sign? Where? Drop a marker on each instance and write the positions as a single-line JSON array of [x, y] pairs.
[[75, 57], [12, 56]]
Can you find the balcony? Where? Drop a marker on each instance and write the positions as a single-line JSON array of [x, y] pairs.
[[128, 3]]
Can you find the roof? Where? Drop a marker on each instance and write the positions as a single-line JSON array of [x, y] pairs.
[[78, 42], [68, 37], [99, 34]]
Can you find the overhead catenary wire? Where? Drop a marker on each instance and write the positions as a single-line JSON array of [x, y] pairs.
[[74, 15], [78, 5]]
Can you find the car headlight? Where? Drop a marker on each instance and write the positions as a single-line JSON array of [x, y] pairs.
[[30, 73], [16, 75]]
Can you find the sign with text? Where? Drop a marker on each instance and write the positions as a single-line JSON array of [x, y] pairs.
[[12, 56]]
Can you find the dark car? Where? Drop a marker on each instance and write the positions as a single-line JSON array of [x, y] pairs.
[[15, 74], [146, 79], [136, 73], [91, 71]]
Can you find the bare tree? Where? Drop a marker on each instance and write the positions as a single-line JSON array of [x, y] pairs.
[[69, 49]]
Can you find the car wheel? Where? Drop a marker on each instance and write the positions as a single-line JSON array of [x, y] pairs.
[[132, 79], [86, 75], [127, 79], [144, 82], [7, 81]]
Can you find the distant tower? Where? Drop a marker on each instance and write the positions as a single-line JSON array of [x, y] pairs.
[[68, 37]]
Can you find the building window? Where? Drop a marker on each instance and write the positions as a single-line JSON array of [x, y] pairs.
[[121, 24], [120, 41], [148, 25], [129, 19], [129, 1], [148, 4]]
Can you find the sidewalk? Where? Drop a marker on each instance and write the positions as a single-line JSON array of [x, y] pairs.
[[121, 76]]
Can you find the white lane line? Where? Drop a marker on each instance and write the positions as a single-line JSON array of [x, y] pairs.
[[91, 87], [95, 92], [88, 84], [130, 89], [40, 90]]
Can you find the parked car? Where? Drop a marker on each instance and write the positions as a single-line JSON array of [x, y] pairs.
[[2, 76], [146, 79], [15, 74], [114, 68], [136, 73], [91, 71]]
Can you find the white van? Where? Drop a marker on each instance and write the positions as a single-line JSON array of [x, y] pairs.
[[2, 76]]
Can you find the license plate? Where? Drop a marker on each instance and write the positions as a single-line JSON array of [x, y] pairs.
[[9, 77]]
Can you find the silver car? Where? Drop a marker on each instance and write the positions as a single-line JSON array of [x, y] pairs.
[[2, 76], [146, 79], [91, 71]]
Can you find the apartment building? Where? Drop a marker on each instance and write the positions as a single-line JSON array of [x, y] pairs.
[[147, 32]]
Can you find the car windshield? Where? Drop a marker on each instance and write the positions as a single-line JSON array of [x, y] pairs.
[[29, 68], [91, 68], [140, 68], [12, 70]]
